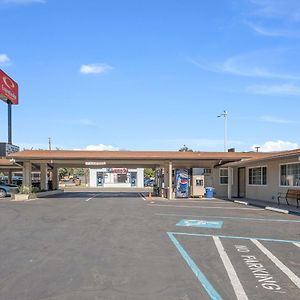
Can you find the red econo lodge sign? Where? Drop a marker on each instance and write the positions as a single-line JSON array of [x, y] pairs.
[[8, 88]]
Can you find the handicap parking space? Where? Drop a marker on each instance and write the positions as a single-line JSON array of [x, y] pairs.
[[251, 262], [235, 253]]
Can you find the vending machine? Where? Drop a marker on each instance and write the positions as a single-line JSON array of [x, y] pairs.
[[197, 188], [197, 183], [182, 183]]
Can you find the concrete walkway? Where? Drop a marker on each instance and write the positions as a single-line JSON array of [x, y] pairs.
[[282, 208]]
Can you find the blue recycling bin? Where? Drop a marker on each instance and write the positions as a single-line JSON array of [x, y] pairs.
[[209, 192]]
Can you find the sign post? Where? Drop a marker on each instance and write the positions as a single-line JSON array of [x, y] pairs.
[[9, 119], [8, 93]]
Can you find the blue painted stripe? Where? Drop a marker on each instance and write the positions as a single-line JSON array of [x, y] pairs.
[[200, 276], [235, 237], [233, 218]]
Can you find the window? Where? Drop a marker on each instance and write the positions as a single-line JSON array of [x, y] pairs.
[[207, 171], [122, 178], [223, 176], [258, 176], [290, 174]]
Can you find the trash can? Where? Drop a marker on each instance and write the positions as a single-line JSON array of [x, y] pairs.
[[209, 192]]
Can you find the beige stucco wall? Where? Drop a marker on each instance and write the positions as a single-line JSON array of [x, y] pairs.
[[270, 191], [220, 189], [259, 192]]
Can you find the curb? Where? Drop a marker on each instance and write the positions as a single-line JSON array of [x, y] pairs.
[[275, 209], [240, 202], [283, 211], [49, 193]]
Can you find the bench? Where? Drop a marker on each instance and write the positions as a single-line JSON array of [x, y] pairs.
[[290, 194]]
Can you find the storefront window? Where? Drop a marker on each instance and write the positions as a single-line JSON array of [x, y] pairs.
[[121, 178]]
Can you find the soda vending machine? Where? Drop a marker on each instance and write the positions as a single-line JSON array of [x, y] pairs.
[[182, 183]]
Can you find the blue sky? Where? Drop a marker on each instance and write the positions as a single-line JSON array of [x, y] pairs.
[[153, 75]]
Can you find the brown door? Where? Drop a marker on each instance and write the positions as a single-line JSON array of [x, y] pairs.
[[242, 182]]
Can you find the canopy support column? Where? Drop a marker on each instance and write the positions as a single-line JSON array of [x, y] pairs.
[[170, 179], [27, 168], [230, 181], [44, 176]]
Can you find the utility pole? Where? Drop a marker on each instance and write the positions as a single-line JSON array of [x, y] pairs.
[[49, 140], [225, 115]]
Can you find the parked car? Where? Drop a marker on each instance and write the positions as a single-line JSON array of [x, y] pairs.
[[7, 189], [148, 182]]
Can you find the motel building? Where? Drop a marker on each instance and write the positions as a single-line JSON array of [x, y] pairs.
[[250, 175]]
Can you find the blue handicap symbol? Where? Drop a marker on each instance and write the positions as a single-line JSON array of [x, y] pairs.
[[200, 223]]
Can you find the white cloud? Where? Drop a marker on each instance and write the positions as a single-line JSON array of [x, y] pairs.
[[283, 89], [277, 9], [278, 145], [4, 59], [95, 68], [277, 63], [278, 18], [272, 119], [101, 147], [274, 32], [16, 2]]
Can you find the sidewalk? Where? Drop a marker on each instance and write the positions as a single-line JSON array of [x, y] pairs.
[[282, 208]]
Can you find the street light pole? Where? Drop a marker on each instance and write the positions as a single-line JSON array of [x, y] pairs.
[[225, 115]]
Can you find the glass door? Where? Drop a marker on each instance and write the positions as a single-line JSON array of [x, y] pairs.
[[100, 179], [133, 177]]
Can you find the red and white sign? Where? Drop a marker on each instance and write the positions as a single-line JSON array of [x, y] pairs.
[[119, 170], [8, 89]]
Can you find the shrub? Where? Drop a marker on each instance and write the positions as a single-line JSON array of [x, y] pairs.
[[25, 189]]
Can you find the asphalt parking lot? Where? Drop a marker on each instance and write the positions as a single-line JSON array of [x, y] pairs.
[[118, 246]]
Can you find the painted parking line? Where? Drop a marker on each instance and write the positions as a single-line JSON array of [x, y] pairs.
[[291, 275], [297, 244], [143, 197], [204, 207], [230, 218], [200, 223], [213, 294], [87, 200], [235, 282], [236, 237]]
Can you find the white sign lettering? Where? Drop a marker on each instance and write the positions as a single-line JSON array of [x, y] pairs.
[[95, 163], [258, 270]]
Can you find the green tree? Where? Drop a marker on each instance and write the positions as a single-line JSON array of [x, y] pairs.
[[149, 173], [71, 172], [185, 149], [63, 172], [78, 171]]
